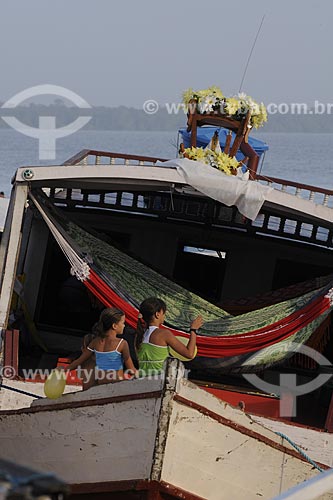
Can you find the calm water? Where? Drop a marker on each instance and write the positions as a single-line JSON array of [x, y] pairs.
[[305, 158]]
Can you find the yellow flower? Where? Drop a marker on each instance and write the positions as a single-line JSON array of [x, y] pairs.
[[221, 161], [258, 111], [258, 119], [202, 93], [188, 95], [232, 105], [212, 92], [216, 91], [212, 99], [193, 153], [225, 163]]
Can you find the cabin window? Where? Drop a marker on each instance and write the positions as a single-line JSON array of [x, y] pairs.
[[205, 251], [201, 270]]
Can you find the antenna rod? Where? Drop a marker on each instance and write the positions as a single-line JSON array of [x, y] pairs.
[[248, 59]]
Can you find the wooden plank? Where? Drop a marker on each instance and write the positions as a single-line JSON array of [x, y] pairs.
[[240, 428], [219, 121], [6, 232], [82, 404], [227, 144], [194, 131], [89, 444], [242, 130], [12, 253]]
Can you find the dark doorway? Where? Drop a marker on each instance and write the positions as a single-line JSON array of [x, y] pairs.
[[201, 270]]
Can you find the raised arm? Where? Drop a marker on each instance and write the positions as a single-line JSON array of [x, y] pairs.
[[188, 350], [86, 354]]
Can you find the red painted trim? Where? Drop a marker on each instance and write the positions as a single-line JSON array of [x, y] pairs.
[[104, 487], [15, 349], [11, 347], [133, 485], [168, 488], [291, 423], [240, 428], [82, 404], [7, 348], [251, 403]]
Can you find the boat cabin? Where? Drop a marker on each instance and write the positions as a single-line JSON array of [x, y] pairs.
[[149, 212]]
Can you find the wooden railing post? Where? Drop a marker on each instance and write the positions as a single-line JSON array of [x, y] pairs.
[[10, 353]]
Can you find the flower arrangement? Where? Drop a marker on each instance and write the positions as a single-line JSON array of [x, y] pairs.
[[212, 100], [207, 100], [215, 159]]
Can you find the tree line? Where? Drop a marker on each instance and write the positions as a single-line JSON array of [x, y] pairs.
[[126, 118]]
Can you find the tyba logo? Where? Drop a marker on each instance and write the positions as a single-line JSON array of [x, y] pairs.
[[287, 389], [46, 132]]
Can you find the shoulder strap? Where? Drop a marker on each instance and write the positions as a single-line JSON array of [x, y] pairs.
[[148, 333], [119, 344]]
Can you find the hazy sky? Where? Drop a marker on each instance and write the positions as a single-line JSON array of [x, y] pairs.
[[128, 51]]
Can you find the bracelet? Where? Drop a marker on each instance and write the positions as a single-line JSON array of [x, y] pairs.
[[193, 330]]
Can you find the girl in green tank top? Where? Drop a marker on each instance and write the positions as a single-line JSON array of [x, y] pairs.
[[153, 342]]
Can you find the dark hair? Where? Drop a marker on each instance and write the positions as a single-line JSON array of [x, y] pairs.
[[147, 309], [89, 337], [108, 317]]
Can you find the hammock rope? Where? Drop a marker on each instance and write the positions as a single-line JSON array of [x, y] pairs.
[[224, 335]]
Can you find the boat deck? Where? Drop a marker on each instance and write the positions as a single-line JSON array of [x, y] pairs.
[[291, 210]]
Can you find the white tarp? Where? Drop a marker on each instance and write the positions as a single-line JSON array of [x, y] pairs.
[[247, 196]]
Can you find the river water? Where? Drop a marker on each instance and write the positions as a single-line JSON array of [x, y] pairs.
[[302, 157]]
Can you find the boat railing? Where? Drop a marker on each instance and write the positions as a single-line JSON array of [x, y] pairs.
[[318, 195], [94, 157], [202, 210]]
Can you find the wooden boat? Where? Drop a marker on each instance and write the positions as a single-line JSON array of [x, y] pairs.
[[151, 210], [152, 439]]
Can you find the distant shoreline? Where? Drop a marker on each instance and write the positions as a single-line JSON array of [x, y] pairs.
[[124, 118]]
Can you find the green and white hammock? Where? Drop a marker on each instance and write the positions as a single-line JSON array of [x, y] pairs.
[[258, 338]]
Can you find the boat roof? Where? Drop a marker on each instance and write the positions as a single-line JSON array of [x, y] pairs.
[[122, 176]]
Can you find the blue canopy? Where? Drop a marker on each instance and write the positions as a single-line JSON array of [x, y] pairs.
[[204, 135]]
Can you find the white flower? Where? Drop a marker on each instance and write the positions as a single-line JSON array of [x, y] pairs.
[[206, 104]]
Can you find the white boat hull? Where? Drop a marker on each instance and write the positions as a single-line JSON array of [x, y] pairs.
[[141, 434]]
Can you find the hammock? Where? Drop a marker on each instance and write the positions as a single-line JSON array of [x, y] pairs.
[[117, 279]]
